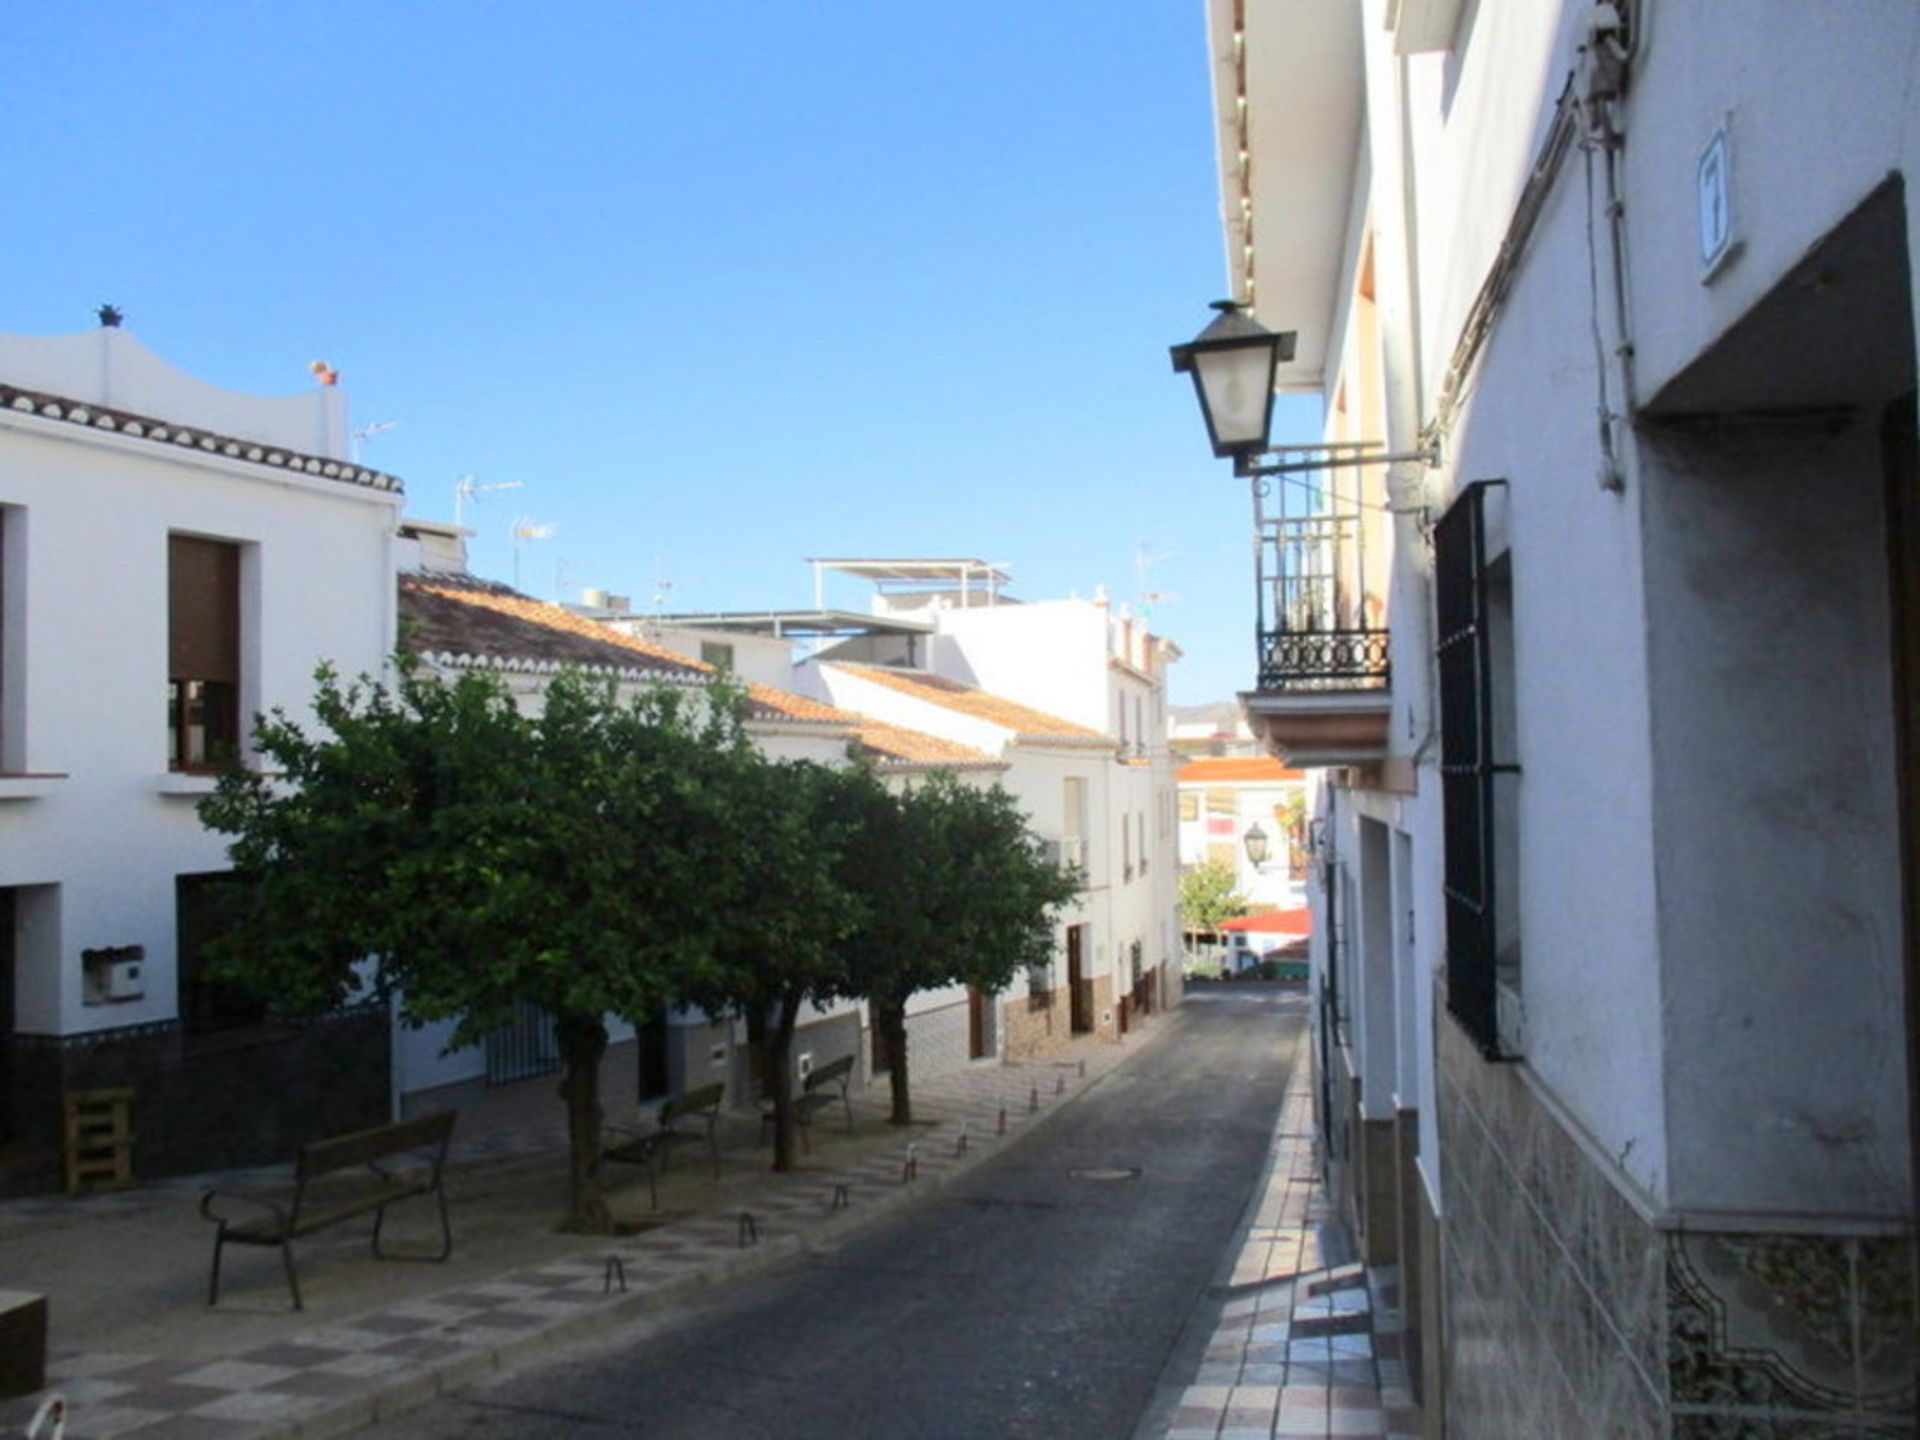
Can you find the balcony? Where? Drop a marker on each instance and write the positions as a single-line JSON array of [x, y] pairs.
[[1322, 547]]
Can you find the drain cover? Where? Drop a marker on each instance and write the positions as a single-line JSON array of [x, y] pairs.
[[1107, 1172]]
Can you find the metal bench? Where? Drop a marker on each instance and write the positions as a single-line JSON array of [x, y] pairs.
[[337, 1180], [822, 1087], [692, 1116]]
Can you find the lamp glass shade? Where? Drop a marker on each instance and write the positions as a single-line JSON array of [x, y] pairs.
[[1256, 842], [1233, 363]]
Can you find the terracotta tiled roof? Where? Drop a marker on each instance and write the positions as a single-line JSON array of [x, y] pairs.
[[1226, 769], [1024, 721], [785, 705], [911, 747], [190, 437], [462, 618]]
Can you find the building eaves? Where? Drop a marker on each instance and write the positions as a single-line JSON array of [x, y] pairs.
[[163, 433]]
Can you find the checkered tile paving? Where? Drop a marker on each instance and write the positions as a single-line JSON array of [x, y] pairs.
[[1301, 1348], [270, 1389]]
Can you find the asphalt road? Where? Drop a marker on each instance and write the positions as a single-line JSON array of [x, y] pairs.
[[1038, 1296]]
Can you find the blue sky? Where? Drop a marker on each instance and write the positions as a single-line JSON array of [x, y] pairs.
[[723, 285]]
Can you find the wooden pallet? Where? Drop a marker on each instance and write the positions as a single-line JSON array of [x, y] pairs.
[[99, 1139]]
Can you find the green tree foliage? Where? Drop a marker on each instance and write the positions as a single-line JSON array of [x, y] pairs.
[[430, 839], [952, 889], [783, 827], [1207, 896]]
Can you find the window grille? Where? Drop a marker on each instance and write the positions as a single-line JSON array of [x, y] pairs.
[[1469, 767]]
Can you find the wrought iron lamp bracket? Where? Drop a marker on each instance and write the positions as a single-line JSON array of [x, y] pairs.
[[1310, 458]]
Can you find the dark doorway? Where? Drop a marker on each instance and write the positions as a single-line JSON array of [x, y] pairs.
[[1079, 988], [651, 1047], [6, 1017], [208, 1006], [1900, 457]]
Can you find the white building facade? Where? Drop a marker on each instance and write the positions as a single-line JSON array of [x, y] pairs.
[[160, 537], [1610, 692]]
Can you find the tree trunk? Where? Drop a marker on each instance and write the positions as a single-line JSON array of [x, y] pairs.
[[891, 1017], [583, 1041], [780, 1081]]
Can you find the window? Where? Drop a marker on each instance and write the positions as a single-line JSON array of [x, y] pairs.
[[1474, 604], [207, 1006], [1126, 847], [1189, 805], [1140, 820], [1073, 821], [1222, 802], [203, 652], [718, 654]]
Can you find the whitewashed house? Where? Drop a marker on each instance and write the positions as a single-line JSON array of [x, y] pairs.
[[1072, 696], [1609, 680], [454, 621], [162, 545], [1249, 813]]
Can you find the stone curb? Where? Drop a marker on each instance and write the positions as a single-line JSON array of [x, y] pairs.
[[449, 1377]]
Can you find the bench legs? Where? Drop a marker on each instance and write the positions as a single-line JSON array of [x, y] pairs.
[[446, 1233], [286, 1258]]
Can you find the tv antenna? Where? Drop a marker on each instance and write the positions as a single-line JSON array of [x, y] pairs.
[[526, 528], [466, 488], [366, 433]]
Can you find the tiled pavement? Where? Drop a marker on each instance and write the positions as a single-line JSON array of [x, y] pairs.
[[1306, 1344], [337, 1376]]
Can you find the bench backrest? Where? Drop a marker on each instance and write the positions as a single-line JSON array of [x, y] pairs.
[[363, 1147], [833, 1072], [694, 1102]]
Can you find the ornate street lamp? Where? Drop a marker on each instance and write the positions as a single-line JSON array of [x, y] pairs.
[[1256, 842], [1233, 362]]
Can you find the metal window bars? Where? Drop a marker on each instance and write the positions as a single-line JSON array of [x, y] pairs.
[[1320, 595]]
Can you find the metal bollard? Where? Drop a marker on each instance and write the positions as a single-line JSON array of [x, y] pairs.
[[910, 1171], [841, 1200], [1033, 1100], [1003, 1120], [1059, 1084], [960, 1144], [749, 1230], [616, 1272], [1083, 1069]]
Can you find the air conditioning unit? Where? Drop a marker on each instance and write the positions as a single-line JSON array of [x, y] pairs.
[[122, 981], [113, 974]]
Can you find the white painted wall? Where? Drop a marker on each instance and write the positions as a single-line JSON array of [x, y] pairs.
[[110, 367], [86, 630]]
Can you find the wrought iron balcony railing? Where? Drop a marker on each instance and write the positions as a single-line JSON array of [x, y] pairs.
[[1322, 621]]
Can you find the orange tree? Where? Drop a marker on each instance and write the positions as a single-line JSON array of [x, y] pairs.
[[431, 841]]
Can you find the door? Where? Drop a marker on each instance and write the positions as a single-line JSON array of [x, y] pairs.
[[1900, 456], [978, 1047], [523, 1047], [650, 1042], [6, 1017], [1079, 989]]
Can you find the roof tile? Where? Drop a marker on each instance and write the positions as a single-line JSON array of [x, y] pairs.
[[1026, 722]]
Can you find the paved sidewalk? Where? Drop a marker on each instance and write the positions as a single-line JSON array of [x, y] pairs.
[[1306, 1344], [137, 1352]]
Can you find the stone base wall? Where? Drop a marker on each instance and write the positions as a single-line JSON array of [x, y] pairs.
[[219, 1102], [1377, 1198], [1034, 1028], [1106, 1015], [1407, 1187], [1432, 1337], [1568, 1313]]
